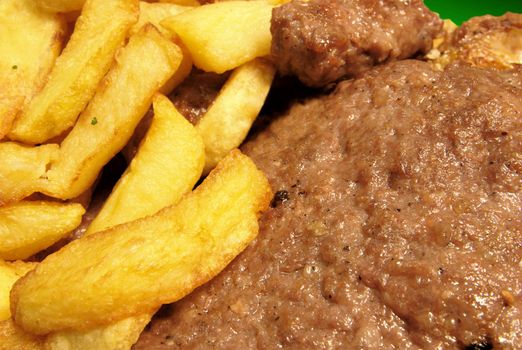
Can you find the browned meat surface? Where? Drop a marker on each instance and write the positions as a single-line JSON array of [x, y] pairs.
[[486, 41], [195, 94], [322, 41], [396, 224]]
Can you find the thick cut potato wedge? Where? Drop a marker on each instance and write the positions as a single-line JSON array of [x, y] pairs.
[[9, 274], [224, 35], [30, 41], [8, 277], [136, 267], [13, 337], [227, 122], [117, 336], [62, 6], [125, 94], [169, 162], [28, 227], [22, 170], [155, 13], [182, 2], [99, 32]]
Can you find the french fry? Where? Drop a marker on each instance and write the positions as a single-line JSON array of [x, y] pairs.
[[116, 336], [8, 277], [138, 266], [23, 169], [28, 227], [62, 6], [99, 32], [13, 337], [182, 2], [224, 35], [30, 41], [109, 120], [9, 274], [227, 122], [155, 13], [169, 162]]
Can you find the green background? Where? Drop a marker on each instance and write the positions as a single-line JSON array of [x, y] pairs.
[[461, 10]]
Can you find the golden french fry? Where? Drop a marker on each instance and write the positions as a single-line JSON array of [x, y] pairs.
[[9, 274], [30, 41], [109, 120], [22, 169], [60, 5], [182, 2], [227, 122], [131, 271], [155, 13], [116, 336], [169, 162], [224, 35], [13, 337], [28, 227], [99, 32], [7, 278]]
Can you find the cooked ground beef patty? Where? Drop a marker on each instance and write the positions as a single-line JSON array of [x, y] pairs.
[[321, 41], [396, 223]]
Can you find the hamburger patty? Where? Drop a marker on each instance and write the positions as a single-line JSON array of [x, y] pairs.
[[322, 41], [396, 223]]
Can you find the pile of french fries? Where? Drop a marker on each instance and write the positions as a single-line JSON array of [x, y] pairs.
[[77, 77]]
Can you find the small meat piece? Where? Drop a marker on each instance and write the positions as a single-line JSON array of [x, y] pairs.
[[322, 41], [486, 41], [397, 223], [196, 93]]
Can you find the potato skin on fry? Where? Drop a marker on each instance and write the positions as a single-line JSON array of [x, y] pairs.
[[99, 32], [28, 227], [122, 99], [138, 266]]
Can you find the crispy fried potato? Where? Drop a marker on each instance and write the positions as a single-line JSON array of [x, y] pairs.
[[140, 265], [7, 278], [224, 35], [227, 122], [117, 336], [28, 227], [99, 32], [60, 5], [169, 162], [107, 123], [23, 169], [182, 2], [30, 41], [155, 13], [9, 274], [13, 337]]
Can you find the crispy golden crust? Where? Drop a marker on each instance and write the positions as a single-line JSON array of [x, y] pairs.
[[486, 41]]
